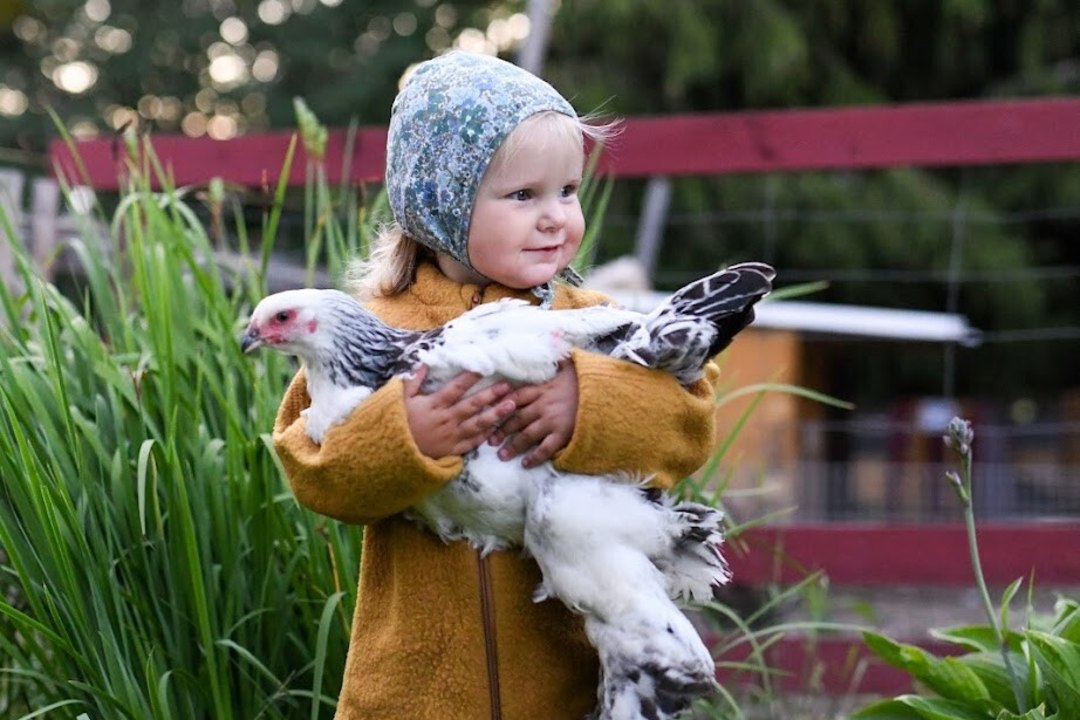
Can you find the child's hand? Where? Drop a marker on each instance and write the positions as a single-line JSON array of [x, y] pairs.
[[447, 422], [545, 418]]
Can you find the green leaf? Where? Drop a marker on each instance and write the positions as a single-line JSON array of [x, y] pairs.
[[977, 637], [42, 712], [893, 709], [972, 637], [907, 707], [886, 648], [1006, 598], [1037, 713], [1059, 660], [1067, 622], [325, 623], [991, 670], [948, 677]]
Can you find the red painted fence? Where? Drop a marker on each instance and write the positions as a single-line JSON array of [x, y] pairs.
[[945, 134], [915, 554]]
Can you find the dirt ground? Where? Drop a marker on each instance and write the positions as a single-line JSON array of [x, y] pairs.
[[910, 612]]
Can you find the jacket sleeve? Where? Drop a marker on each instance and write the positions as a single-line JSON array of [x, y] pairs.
[[634, 419], [367, 468]]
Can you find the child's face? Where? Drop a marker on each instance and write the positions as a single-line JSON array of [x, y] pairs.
[[526, 221]]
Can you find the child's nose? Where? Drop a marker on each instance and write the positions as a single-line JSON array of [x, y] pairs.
[[553, 215]]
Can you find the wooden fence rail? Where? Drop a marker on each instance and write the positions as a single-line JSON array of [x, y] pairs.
[[908, 554], [943, 134]]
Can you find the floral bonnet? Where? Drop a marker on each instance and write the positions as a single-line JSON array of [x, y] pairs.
[[445, 125]]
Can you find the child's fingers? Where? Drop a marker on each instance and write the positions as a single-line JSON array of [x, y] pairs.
[[514, 424], [473, 431], [527, 394], [543, 452], [452, 392], [472, 404], [414, 381], [550, 444], [531, 434], [524, 399], [480, 425]]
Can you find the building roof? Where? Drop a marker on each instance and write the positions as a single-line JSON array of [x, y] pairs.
[[840, 321]]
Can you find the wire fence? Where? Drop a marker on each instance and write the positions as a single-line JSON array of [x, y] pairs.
[[895, 472]]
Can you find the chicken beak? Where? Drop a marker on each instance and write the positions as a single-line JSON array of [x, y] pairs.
[[251, 339]]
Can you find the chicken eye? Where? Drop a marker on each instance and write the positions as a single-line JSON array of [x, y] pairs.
[[282, 317]]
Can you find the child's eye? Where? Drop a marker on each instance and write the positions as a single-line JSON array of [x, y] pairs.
[[521, 195], [569, 190]]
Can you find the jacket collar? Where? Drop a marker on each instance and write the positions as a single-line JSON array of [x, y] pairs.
[[433, 288]]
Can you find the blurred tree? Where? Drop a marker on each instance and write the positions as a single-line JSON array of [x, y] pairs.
[[660, 56], [215, 67]]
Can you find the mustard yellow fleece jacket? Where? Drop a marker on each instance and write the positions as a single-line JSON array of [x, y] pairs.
[[438, 633]]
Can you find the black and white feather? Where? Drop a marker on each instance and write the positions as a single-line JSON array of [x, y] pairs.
[[611, 549]]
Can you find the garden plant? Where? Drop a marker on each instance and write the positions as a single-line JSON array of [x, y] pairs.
[[1001, 674]]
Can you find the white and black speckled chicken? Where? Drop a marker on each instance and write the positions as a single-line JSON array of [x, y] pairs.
[[614, 551]]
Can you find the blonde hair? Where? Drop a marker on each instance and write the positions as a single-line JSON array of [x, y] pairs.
[[390, 267]]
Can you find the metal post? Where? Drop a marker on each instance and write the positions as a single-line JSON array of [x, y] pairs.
[[952, 298], [651, 224], [11, 192], [534, 49], [44, 213]]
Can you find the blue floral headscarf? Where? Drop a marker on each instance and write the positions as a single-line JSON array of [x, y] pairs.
[[445, 126]]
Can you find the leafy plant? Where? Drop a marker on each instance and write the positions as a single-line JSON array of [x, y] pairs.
[[154, 563], [1001, 674]]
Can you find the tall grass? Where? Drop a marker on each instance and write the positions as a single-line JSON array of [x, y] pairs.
[[154, 565]]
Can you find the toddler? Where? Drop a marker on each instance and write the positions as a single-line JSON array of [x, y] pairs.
[[484, 161]]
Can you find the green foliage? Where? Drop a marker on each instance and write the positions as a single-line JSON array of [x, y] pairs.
[[780, 53], [152, 60], [976, 684], [998, 673], [154, 564]]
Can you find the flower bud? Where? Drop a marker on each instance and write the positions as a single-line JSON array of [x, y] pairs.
[[957, 485], [959, 436]]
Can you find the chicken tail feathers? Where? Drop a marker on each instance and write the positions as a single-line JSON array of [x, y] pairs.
[[693, 565], [726, 299], [697, 322]]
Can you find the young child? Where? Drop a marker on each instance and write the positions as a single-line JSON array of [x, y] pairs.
[[483, 165]]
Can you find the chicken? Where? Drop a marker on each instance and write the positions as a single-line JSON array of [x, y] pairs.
[[611, 549]]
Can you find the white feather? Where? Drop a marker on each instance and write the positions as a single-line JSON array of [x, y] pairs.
[[515, 341], [334, 405]]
